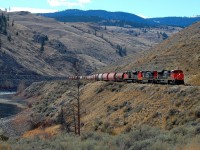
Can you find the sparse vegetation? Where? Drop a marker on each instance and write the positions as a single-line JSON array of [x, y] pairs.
[[3, 24], [121, 51], [143, 137], [141, 116], [0, 42]]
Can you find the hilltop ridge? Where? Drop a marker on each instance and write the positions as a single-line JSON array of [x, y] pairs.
[[119, 18]]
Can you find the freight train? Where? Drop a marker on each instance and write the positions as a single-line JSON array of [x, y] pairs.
[[156, 77]]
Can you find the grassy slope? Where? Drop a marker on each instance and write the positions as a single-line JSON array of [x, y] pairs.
[[171, 113], [119, 105], [71, 41], [179, 51]]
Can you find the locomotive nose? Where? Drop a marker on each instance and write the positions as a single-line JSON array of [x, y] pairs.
[[179, 76]]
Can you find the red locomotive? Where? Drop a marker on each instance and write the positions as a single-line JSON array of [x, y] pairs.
[[165, 77]]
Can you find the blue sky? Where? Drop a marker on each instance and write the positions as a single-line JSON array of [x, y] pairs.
[[145, 8]]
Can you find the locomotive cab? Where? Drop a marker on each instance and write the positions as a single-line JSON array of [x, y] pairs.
[[177, 77]]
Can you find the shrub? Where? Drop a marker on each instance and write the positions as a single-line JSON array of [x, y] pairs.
[[197, 113], [107, 128], [99, 90], [128, 109], [3, 138], [173, 111]]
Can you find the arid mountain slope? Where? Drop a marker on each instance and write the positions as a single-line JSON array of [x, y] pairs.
[[93, 45], [111, 107], [182, 51]]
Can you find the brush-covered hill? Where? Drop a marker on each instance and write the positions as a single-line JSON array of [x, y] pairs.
[[100, 16], [182, 51], [176, 21], [119, 109], [119, 18], [39, 46]]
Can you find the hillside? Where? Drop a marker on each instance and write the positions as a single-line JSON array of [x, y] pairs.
[[119, 18], [41, 47], [100, 16], [176, 21], [119, 109], [179, 51], [113, 115]]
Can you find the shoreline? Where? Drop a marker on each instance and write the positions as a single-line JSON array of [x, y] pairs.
[[8, 98], [11, 106]]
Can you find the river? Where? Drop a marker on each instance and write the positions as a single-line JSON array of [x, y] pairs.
[[8, 105]]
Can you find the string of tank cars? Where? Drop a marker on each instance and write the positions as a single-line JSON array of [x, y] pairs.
[[175, 77]]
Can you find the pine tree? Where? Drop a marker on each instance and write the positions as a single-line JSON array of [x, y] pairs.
[[165, 36], [0, 42], [12, 23], [42, 46], [3, 24], [9, 38]]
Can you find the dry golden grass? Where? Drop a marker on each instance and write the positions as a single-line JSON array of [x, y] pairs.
[[156, 105], [195, 80], [182, 50], [115, 107], [5, 147], [43, 133], [79, 39], [193, 145]]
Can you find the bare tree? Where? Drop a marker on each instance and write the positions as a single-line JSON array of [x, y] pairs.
[[77, 98], [72, 112]]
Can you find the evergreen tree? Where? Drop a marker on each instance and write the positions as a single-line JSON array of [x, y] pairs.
[[43, 39], [12, 23], [0, 42], [3, 24], [8, 18], [42, 46], [9, 38], [165, 36], [121, 51]]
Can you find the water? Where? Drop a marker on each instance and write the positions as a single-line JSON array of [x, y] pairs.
[[7, 110], [7, 93], [6, 107]]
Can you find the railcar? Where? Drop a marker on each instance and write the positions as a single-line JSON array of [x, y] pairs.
[[147, 76], [164, 76], [121, 76], [170, 77], [100, 77], [105, 77], [129, 76], [111, 76]]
